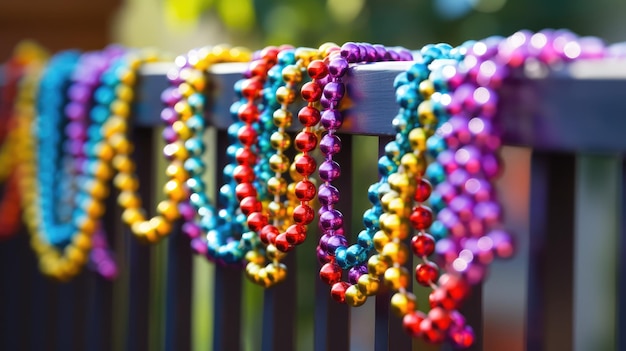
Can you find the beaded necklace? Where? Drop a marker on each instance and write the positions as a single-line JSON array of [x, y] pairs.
[[64, 247], [249, 201], [25, 55], [222, 230], [285, 225], [420, 114], [333, 251], [465, 148]]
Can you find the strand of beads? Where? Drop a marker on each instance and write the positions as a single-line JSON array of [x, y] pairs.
[[250, 204], [75, 228], [472, 214], [51, 100], [415, 123], [282, 235], [25, 55], [333, 251], [189, 84]]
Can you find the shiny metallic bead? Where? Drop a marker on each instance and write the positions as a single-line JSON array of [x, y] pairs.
[[403, 303], [354, 297], [368, 285], [397, 277]]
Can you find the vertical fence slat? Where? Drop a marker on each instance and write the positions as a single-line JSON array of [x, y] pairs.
[[99, 312], [228, 284], [16, 293], [279, 310], [550, 271], [178, 298], [621, 266], [139, 254]]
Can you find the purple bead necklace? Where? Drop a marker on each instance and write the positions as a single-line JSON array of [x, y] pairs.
[[332, 240]]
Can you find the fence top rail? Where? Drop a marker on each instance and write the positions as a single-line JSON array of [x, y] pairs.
[[578, 107]]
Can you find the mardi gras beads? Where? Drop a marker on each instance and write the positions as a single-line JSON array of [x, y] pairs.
[[250, 204], [333, 251], [222, 230], [59, 263], [280, 234], [14, 95], [472, 215]]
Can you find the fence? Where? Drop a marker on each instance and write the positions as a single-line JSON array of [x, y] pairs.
[[563, 195]]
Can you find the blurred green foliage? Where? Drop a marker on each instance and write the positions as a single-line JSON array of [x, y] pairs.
[[410, 23]]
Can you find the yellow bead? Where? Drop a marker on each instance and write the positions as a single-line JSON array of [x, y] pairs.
[[183, 109], [252, 269], [101, 170], [160, 225], [97, 188], [127, 77], [291, 75], [76, 255], [426, 89], [86, 224], [82, 241], [376, 265], [417, 139], [426, 114], [104, 151], [174, 190], [120, 143], [273, 254], [398, 181], [399, 207], [177, 150], [280, 141], [133, 215], [282, 118], [197, 81], [276, 273], [368, 285], [177, 172], [185, 89], [380, 239], [123, 163], [397, 277], [276, 210], [414, 164], [144, 230], [261, 278], [285, 95], [124, 93], [93, 208], [354, 297], [181, 130], [403, 303], [395, 226], [306, 55], [277, 186], [128, 199], [279, 163], [168, 209], [255, 257], [125, 181], [114, 125], [395, 252], [120, 108]]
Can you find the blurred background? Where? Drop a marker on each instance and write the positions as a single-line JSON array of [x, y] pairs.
[[179, 25]]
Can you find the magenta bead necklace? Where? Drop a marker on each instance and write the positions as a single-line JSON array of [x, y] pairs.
[[465, 169]]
